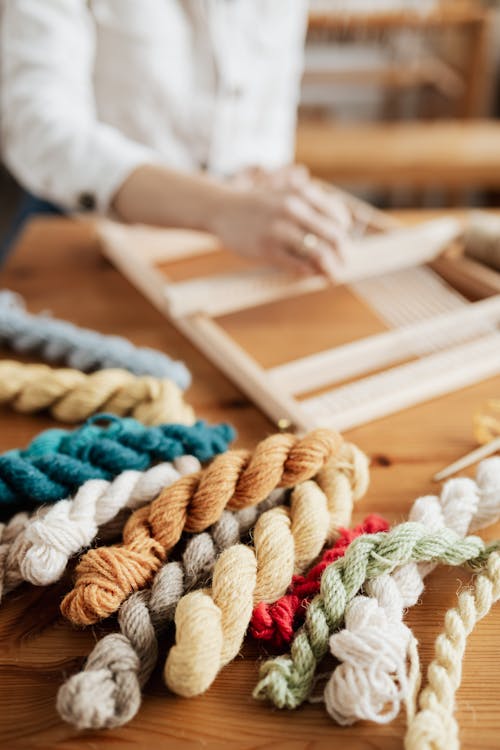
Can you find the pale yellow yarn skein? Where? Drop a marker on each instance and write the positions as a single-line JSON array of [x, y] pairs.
[[435, 727], [285, 541], [72, 396]]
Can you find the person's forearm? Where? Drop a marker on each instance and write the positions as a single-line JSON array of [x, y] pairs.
[[154, 194], [290, 226]]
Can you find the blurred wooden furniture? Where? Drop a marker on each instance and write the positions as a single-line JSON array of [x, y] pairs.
[[58, 266], [468, 17], [455, 154]]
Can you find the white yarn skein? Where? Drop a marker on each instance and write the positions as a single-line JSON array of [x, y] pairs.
[[376, 649], [41, 551]]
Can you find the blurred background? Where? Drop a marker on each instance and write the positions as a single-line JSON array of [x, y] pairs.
[[401, 98], [400, 102]]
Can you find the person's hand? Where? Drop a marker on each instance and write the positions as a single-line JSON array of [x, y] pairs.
[[284, 218]]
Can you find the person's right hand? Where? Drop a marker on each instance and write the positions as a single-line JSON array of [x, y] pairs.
[[284, 218]]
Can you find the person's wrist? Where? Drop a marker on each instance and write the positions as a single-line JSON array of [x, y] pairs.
[[221, 203]]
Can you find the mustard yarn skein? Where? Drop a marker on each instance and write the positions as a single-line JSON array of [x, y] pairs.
[[285, 541], [73, 396]]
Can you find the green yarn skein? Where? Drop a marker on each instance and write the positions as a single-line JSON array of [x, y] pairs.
[[288, 680]]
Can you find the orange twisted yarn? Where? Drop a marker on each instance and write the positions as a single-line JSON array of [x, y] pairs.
[[106, 576]]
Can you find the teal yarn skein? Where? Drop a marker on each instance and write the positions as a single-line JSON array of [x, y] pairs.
[[288, 680], [61, 341], [58, 461]]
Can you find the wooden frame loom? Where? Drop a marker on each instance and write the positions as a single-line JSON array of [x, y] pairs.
[[413, 278]]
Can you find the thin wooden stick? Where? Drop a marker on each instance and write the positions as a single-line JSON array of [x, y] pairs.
[[470, 458]]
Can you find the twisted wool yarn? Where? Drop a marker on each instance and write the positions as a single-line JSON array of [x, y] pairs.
[[276, 623], [86, 350], [285, 541], [72, 396], [57, 462], [374, 648], [434, 727], [8, 534], [105, 577], [287, 680], [107, 692], [43, 545]]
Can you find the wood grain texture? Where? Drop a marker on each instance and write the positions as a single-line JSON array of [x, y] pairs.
[[450, 153], [58, 267]]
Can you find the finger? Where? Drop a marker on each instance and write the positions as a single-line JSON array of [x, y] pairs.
[[318, 258], [291, 177], [309, 220], [328, 203], [286, 240], [295, 176], [287, 261], [325, 261]]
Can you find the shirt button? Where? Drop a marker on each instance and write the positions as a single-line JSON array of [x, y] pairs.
[[86, 201]]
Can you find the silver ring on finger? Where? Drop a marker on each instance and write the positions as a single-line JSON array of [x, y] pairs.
[[309, 245]]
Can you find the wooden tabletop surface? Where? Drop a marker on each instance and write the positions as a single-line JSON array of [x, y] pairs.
[[57, 267]]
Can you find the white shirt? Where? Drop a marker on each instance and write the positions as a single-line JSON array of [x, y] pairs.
[[90, 90]]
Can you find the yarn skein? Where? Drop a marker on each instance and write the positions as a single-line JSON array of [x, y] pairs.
[[73, 396], [374, 647], [9, 532], [57, 461], [211, 626], [105, 577], [107, 692], [434, 727], [43, 545], [287, 680], [86, 350], [276, 623]]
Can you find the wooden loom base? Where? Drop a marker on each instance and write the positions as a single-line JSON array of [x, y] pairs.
[[264, 386]]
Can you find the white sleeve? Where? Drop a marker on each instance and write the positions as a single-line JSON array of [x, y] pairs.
[[51, 139]]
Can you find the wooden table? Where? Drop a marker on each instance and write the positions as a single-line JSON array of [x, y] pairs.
[[58, 267]]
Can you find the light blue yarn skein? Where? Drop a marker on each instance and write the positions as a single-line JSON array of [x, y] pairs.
[[60, 341]]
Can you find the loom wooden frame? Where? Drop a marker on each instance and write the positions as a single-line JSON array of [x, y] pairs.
[[272, 390]]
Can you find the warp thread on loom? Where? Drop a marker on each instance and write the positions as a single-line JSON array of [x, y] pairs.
[[287, 680], [434, 727], [86, 350], [46, 541], [276, 623], [107, 692], [375, 647], [73, 396], [57, 462], [211, 625], [105, 577]]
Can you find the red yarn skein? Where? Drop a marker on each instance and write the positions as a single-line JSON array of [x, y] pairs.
[[277, 623]]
